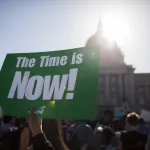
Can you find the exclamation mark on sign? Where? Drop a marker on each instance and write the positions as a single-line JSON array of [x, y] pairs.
[[71, 83]]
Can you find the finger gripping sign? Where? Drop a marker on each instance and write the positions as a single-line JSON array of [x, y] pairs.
[[57, 84]]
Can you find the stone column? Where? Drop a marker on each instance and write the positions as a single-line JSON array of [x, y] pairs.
[[107, 89], [147, 94], [120, 89], [130, 87], [126, 85]]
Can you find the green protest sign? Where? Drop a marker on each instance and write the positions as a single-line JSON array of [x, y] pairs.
[[57, 84]]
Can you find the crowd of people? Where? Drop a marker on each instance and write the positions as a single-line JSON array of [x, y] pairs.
[[33, 133]]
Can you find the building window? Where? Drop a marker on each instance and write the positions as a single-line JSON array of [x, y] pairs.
[[141, 89], [101, 100], [141, 100], [113, 89], [148, 92], [113, 99], [102, 80], [113, 79], [123, 86], [101, 88], [141, 94]]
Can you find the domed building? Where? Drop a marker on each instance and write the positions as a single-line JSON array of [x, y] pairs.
[[118, 85]]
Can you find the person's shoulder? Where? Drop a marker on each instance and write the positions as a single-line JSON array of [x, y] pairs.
[[71, 128], [122, 132], [126, 134], [138, 133], [142, 135], [84, 127], [135, 133], [130, 132]]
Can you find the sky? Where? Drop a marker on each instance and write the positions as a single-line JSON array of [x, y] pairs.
[[45, 25]]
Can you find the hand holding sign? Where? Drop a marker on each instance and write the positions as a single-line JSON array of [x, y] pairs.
[[58, 84], [35, 123]]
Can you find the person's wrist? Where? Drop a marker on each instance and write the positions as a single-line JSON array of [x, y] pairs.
[[36, 132]]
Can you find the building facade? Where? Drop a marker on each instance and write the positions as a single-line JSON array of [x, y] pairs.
[[119, 86]]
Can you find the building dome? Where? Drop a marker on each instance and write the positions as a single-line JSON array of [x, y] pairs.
[[110, 53]]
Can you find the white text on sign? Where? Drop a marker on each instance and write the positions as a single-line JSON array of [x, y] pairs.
[[32, 88]]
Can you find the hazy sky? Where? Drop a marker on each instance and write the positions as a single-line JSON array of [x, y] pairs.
[[44, 25]]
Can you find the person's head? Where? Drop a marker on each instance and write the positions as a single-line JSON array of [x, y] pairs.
[[53, 131], [107, 134], [132, 121]]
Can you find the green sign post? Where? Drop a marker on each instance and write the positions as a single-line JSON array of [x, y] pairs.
[[57, 84]]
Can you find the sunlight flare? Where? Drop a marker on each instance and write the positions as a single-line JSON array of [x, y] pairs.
[[115, 28]]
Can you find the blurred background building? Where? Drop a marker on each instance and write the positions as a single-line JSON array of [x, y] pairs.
[[119, 86]]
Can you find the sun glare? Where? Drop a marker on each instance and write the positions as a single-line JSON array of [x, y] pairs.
[[115, 28]]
